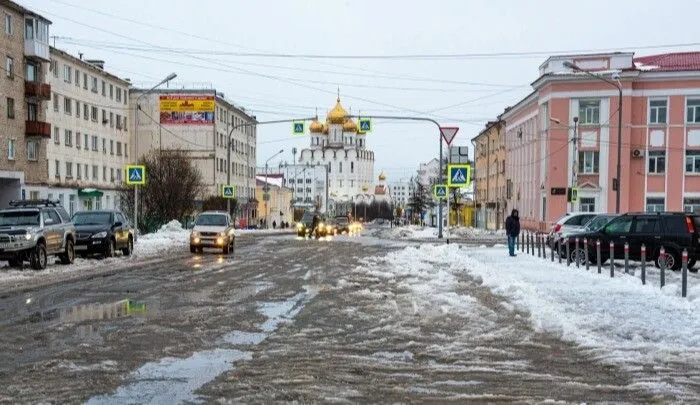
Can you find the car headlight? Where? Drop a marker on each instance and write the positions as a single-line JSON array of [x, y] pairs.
[[222, 234], [300, 226], [100, 235], [28, 236], [321, 224], [194, 235]]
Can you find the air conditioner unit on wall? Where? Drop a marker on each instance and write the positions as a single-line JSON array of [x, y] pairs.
[[637, 153]]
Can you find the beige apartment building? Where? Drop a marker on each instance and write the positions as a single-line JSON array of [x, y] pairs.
[[490, 184], [24, 93]]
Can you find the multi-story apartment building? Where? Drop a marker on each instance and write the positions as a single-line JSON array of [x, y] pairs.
[[308, 184], [565, 134], [88, 150], [490, 178], [199, 122], [24, 53], [400, 191]]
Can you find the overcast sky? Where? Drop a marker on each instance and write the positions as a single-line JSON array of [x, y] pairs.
[[465, 91]]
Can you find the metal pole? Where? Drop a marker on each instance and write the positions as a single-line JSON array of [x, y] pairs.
[[627, 257], [551, 251], [561, 240], [266, 193], [585, 249], [228, 164], [136, 159], [598, 258], [441, 182], [662, 266], [644, 264], [619, 150], [612, 259], [684, 274], [568, 253], [522, 241], [447, 230], [578, 259]]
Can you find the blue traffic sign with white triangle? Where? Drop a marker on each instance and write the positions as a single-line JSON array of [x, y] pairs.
[[135, 174], [458, 175], [227, 191]]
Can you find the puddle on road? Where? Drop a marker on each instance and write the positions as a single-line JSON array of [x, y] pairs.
[[173, 380]]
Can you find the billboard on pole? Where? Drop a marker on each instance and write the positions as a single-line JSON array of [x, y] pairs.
[[186, 109]]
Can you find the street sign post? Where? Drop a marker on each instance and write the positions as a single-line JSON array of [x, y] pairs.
[[298, 127], [228, 191], [459, 175], [440, 191], [448, 134], [365, 125]]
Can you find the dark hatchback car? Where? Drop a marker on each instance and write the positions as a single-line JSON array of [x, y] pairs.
[[103, 233], [674, 231]]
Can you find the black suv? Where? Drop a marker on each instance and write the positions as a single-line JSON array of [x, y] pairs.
[[103, 232], [674, 231]]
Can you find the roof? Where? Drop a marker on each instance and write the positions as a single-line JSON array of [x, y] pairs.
[[669, 62], [19, 8], [84, 64], [272, 181]]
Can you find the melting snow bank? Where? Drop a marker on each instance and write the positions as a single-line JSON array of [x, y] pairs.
[[419, 232], [174, 380], [620, 321]]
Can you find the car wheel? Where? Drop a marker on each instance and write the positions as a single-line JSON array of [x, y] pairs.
[[37, 258], [111, 247], [226, 249], [671, 260], [129, 249], [578, 256], [68, 257]]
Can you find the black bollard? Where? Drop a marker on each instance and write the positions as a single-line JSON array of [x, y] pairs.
[[568, 253], [644, 264], [627, 257], [662, 266], [585, 250], [598, 258], [612, 259], [561, 241], [684, 275], [578, 259]]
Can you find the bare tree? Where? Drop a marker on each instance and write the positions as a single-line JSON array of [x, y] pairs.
[[172, 186]]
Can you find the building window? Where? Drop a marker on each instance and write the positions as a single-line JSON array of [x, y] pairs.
[[32, 147], [10, 67], [104, 173], [104, 88], [111, 91], [104, 117], [104, 146], [340, 167], [57, 169], [657, 111], [119, 94], [657, 161], [111, 174], [30, 72], [67, 105], [71, 204], [693, 111], [32, 112], [111, 147], [340, 183], [655, 205], [588, 162], [111, 120], [95, 172], [86, 143], [56, 106], [77, 108], [589, 111], [93, 88], [78, 171], [11, 149], [691, 205], [77, 140], [10, 107], [56, 135], [587, 204], [77, 78], [9, 30], [69, 170], [95, 143], [692, 161], [85, 81], [67, 73], [93, 113], [69, 138]]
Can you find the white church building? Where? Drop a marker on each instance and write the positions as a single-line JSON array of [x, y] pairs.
[[342, 148]]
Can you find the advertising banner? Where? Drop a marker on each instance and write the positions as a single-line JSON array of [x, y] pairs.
[[187, 110]]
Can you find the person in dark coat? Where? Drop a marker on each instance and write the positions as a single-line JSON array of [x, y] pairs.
[[512, 230], [314, 225]]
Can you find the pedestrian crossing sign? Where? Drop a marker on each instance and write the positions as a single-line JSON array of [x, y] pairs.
[[228, 191], [365, 125], [135, 175], [459, 175], [298, 127], [440, 191]]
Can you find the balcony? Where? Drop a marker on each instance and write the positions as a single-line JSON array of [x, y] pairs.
[[38, 128], [41, 91]]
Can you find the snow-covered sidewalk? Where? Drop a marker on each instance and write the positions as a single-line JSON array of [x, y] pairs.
[[431, 233], [651, 333]]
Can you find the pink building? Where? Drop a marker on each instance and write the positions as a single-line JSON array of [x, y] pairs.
[[565, 133]]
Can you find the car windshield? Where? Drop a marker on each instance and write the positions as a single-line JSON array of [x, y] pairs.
[[19, 218], [598, 222], [211, 220], [92, 218]]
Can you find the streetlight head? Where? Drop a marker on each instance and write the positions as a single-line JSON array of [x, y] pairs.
[[555, 120], [570, 65], [171, 77], [281, 151], [616, 76]]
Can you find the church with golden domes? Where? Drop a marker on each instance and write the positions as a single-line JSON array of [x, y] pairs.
[[338, 144]]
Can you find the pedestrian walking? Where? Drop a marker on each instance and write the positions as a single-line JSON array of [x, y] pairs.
[[274, 224], [512, 230]]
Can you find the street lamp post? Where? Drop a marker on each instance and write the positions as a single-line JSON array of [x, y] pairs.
[[266, 189], [618, 85], [137, 108]]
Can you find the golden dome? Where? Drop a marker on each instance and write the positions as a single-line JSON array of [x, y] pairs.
[[337, 114], [316, 127], [350, 126], [382, 176], [325, 129]]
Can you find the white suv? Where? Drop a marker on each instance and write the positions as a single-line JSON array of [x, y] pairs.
[[212, 229], [573, 221]]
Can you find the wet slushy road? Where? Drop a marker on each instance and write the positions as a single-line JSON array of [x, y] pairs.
[[274, 323]]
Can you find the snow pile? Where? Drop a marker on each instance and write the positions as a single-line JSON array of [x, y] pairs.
[[477, 233], [421, 232], [170, 235]]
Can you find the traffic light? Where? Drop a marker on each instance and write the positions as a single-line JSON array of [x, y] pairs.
[[572, 194]]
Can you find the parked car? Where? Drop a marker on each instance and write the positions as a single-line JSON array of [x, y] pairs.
[[594, 224], [674, 231], [103, 232], [574, 221], [33, 230], [304, 226], [213, 229]]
